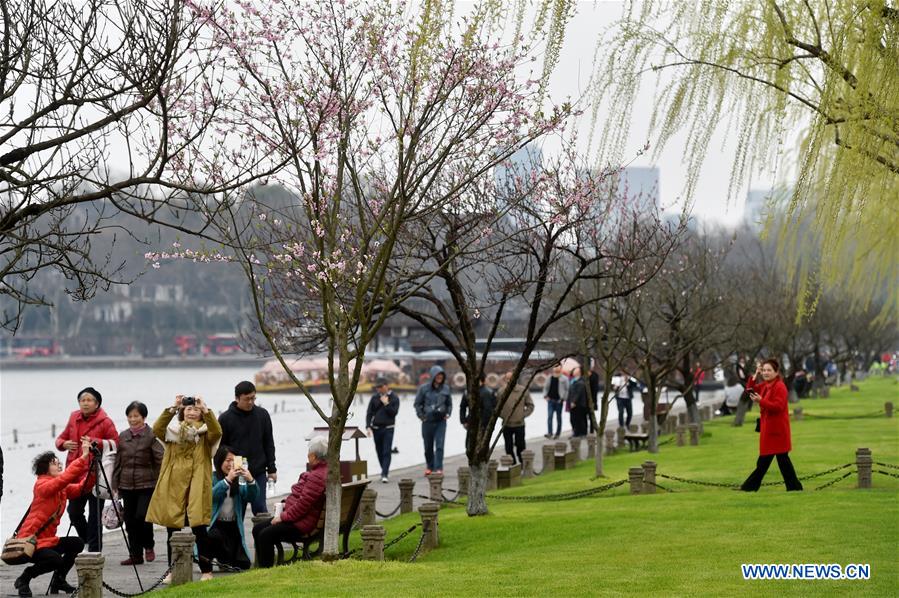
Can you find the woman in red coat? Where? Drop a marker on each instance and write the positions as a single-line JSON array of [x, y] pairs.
[[302, 508], [774, 440], [91, 422], [51, 490]]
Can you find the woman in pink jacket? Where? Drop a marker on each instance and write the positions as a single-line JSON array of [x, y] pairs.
[[774, 439]]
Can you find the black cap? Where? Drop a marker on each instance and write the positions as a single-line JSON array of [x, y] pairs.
[[93, 391]]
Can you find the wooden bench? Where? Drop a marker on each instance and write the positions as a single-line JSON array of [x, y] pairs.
[[350, 497], [636, 441]]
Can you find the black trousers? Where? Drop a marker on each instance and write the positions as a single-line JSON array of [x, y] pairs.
[[514, 439], [87, 529], [579, 421], [202, 542], [58, 559], [384, 447], [140, 531], [226, 545], [267, 535], [754, 481]]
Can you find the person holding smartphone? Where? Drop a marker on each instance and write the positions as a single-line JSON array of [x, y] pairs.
[[380, 421], [233, 487], [768, 390]]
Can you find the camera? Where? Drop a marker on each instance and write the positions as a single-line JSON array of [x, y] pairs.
[[187, 401]]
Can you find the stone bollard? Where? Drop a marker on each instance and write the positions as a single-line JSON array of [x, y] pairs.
[[649, 477], [591, 446], [89, 566], [406, 486], [644, 428], [682, 419], [635, 477], [797, 414], [680, 431], [435, 482], [610, 442], [633, 429], [694, 434], [492, 466], [367, 506], [182, 557], [620, 433], [373, 542], [576, 447], [888, 408], [527, 463], [428, 512], [705, 413], [464, 475], [864, 462], [549, 458], [506, 461]]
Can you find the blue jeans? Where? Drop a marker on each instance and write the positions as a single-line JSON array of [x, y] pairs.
[[258, 505], [433, 434], [383, 447], [553, 408], [625, 405]]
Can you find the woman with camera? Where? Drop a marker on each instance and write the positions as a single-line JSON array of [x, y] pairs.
[[51, 490], [767, 389], [233, 487], [136, 469], [183, 494]]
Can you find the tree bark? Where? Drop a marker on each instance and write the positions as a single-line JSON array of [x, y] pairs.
[[332, 499], [477, 489]]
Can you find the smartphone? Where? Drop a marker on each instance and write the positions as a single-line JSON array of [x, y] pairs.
[[238, 462]]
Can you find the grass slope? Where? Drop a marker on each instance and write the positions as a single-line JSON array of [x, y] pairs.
[[687, 542]]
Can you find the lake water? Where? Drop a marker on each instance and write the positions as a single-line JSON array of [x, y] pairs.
[[31, 401]]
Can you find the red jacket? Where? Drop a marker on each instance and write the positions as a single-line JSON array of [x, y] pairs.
[[775, 436], [50, 495], [304, 506], [97, 426]]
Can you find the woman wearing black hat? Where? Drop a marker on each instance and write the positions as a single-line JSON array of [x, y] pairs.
[[89, 422]]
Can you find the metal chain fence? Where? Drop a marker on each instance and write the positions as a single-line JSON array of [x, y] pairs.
[[390, 514], [886, 465], [892, 475], [834, 481], [561, 496], [155, 585], [421, 541]]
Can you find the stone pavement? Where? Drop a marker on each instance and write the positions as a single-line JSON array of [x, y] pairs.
[[124, 580]]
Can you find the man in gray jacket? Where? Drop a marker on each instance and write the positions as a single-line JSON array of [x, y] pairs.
[[433, 406], [555, 391]]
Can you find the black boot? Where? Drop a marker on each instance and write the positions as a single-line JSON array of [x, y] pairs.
[[58, 584], [22, 585]]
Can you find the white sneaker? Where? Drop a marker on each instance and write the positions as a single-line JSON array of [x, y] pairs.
[[206, 577], [384, 479]]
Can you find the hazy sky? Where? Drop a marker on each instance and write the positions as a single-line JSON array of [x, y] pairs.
[[570, 79]]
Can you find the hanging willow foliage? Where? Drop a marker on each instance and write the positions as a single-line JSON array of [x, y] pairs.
[[765, 70]]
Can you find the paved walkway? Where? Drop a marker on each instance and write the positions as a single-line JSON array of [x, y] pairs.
[[123, 578]]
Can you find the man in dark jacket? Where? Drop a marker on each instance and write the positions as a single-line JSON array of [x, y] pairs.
[[302, 508], [577, 403], [248, 430], [487, 399], [380, 420], [433, 406]]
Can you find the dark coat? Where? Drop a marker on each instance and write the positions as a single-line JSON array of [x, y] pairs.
[[303, 507], [487, 399], [249, 433], [434, 403], [380, 415], [137, 461], [775, 433]]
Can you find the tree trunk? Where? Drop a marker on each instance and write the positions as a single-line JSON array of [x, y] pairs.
[[477, 489], [653, 421], [742, 408], [332, 500]]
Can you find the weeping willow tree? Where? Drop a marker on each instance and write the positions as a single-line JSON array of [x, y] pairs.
[[765, 70]]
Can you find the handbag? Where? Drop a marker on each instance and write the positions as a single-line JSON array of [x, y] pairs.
[[18, 551], [112, 514], [107, 462]]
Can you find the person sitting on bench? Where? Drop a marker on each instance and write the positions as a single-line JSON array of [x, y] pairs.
[[302, 508]]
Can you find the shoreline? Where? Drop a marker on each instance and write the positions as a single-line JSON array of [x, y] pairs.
[[129, 361]]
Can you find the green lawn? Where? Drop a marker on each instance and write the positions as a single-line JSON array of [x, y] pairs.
[[687, 542]]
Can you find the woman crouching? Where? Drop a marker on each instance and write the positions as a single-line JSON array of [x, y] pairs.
[[232, 488], [183, 494], [51, 490]]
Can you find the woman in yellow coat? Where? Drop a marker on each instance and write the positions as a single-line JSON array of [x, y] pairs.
[[183, 495]]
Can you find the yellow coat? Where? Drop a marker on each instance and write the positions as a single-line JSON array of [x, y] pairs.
[[185, 478]]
